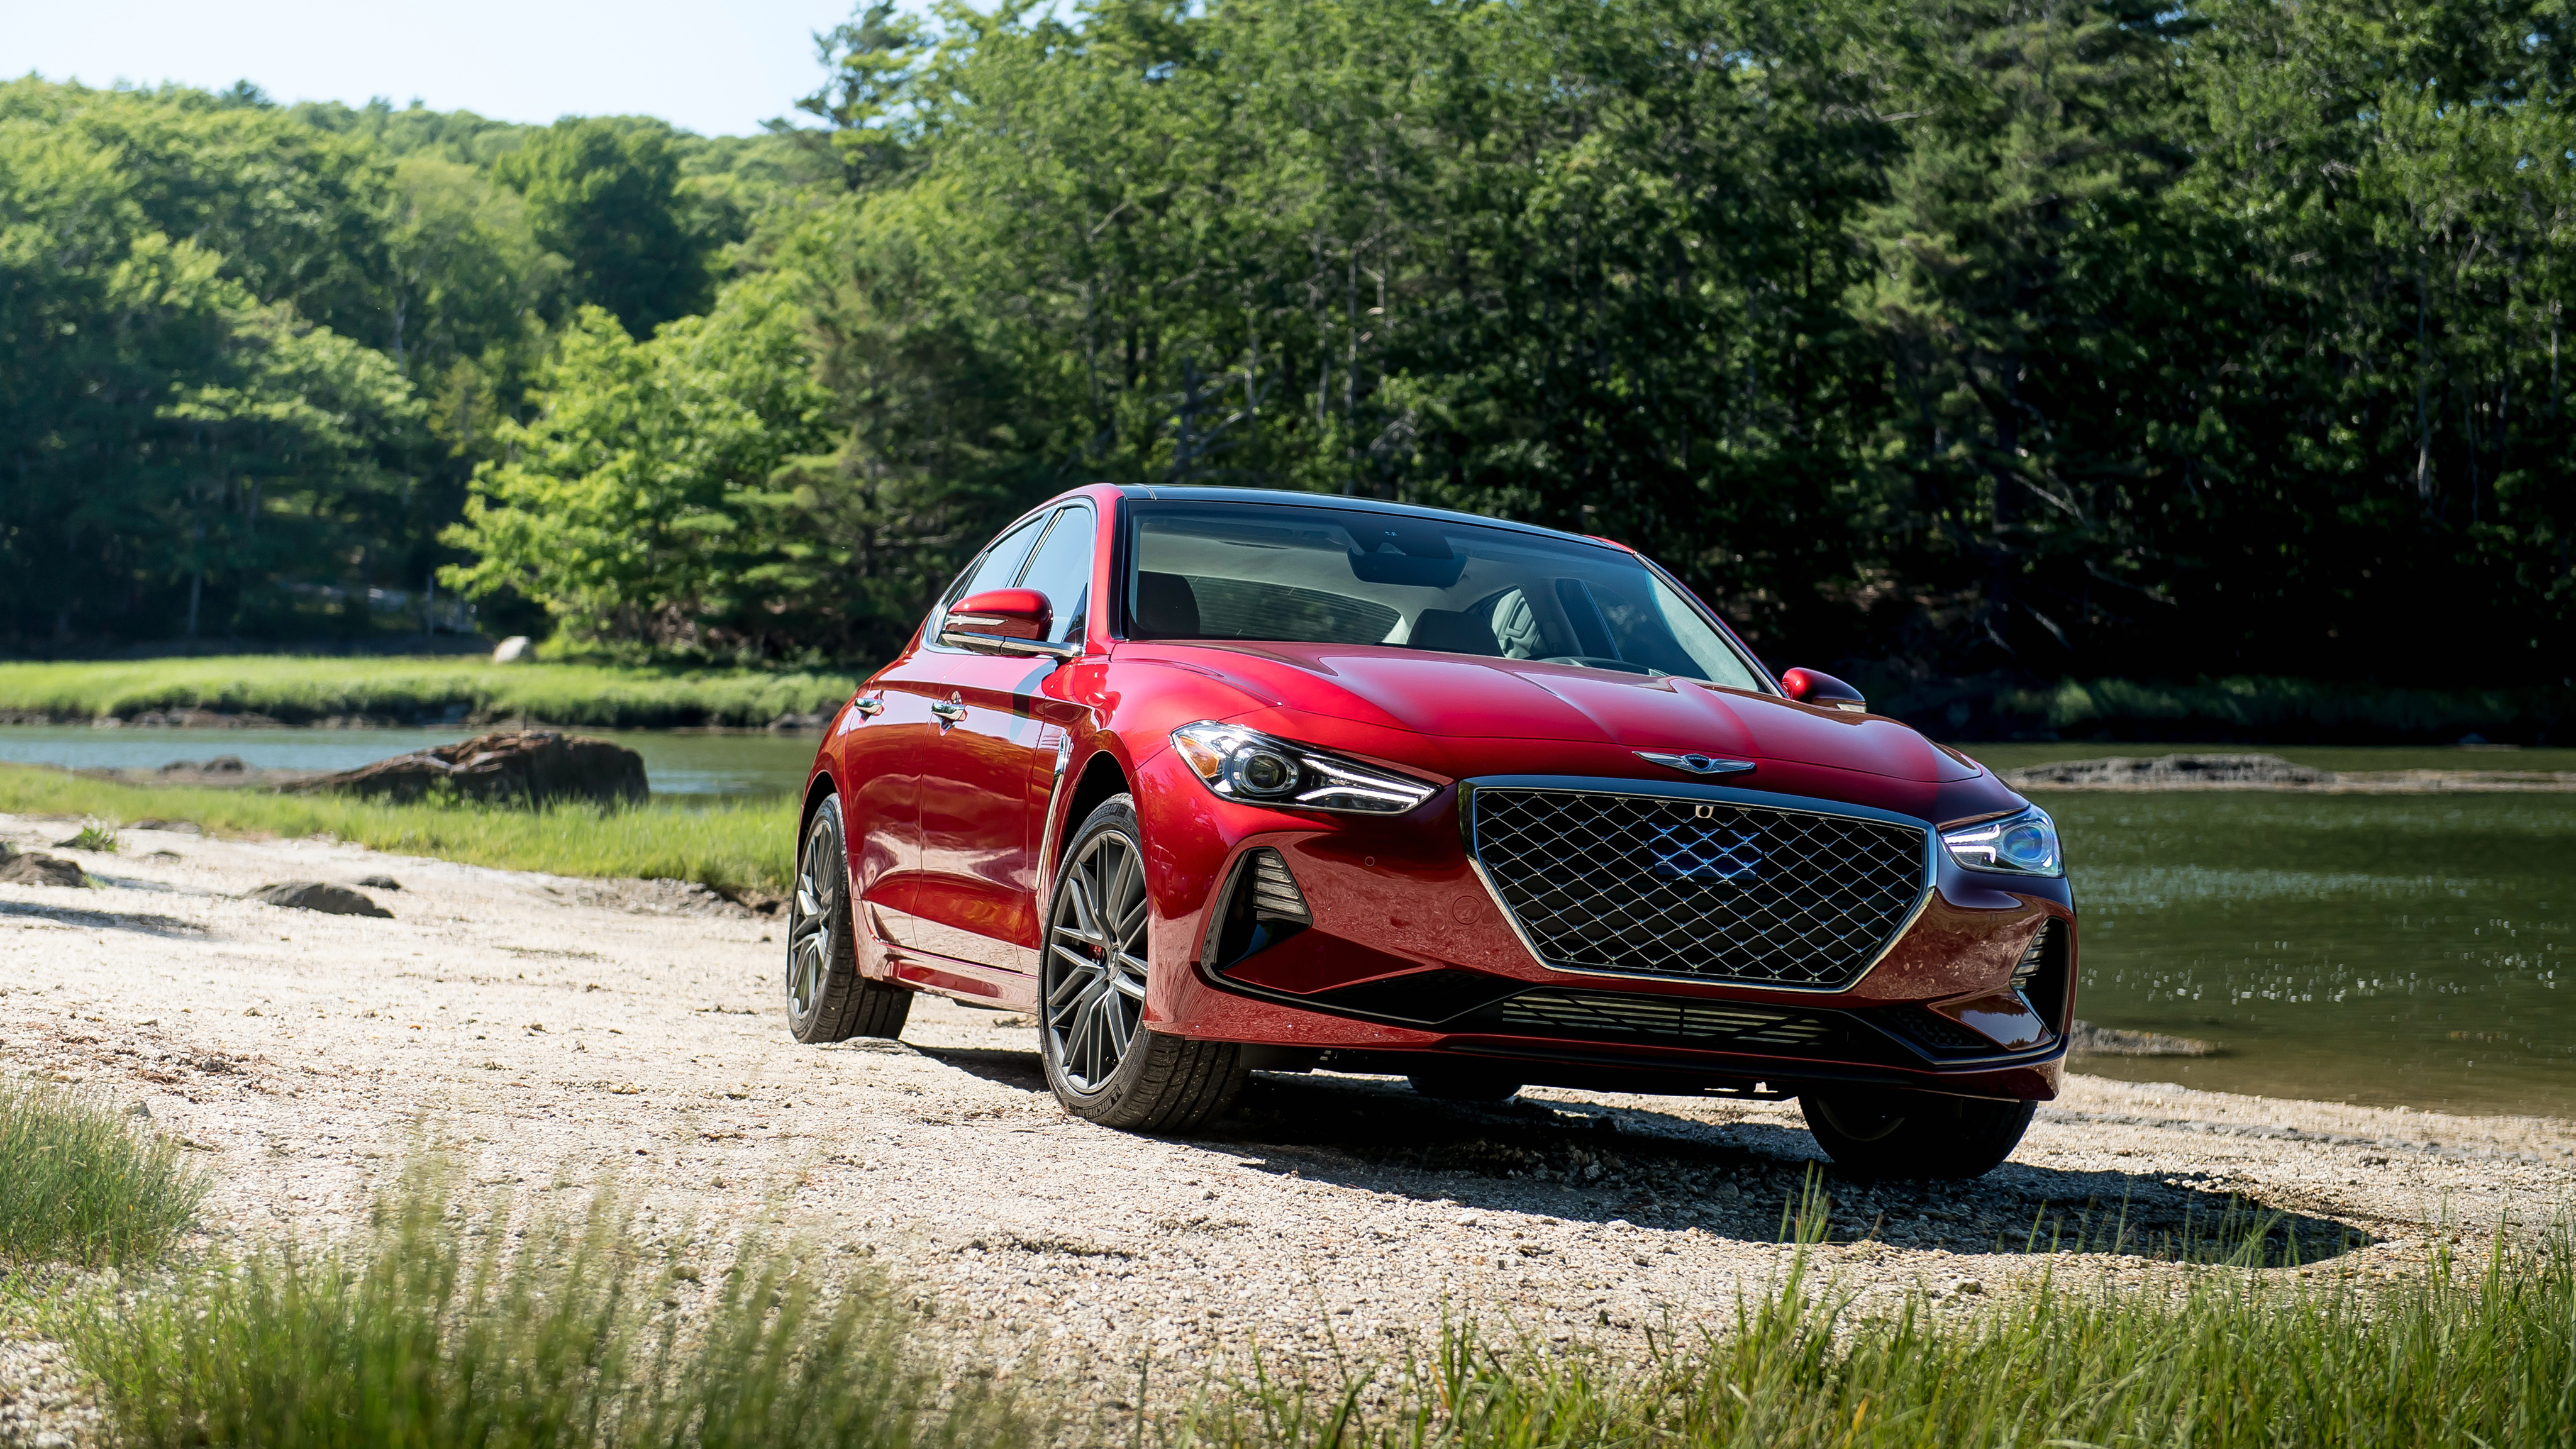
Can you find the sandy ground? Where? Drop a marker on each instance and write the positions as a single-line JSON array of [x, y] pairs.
[[553, 1033]]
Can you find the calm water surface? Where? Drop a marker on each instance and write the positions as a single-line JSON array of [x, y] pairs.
[[674, 764], [2383, 949]]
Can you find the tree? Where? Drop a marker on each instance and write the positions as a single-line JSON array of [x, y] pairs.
[[605, 197]]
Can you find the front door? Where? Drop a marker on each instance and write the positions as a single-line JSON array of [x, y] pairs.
[[988, 775]]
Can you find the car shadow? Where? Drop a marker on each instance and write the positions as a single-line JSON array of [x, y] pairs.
[[1592, 1162]]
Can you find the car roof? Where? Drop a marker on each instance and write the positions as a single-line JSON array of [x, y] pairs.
[[1294, 498]]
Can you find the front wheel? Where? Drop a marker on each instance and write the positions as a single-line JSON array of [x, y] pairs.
[[1105, 1064], [827, 998], [1892, 1133]]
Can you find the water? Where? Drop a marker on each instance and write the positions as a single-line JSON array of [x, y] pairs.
[[686, 764], [2383, 949]]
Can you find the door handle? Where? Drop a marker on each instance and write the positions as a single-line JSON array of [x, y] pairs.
[[870, 708], [949, 710]]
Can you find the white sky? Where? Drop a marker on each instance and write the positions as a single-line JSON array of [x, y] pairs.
[[716, 69]]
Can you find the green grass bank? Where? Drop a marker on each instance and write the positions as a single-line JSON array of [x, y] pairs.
[[2241, 709], [728, 845], [301, 690]]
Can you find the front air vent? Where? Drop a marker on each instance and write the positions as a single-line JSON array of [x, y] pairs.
[[1274, 890], [2040, 975], [1262, 908], [1657, 1020]]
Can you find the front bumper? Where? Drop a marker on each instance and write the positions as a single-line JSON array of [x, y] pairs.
[[1411, 957]]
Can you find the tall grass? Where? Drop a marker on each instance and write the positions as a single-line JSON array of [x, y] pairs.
[[748, 843], [449, 1327], [299, 690], [2482, 1352], [82, 1183]]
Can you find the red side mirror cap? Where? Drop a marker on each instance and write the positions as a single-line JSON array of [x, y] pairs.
[[1003, 614], [1812, 686]]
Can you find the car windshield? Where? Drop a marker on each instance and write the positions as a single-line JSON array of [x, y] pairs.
[[1290, 573]]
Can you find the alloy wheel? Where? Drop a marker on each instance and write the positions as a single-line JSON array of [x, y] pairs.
[[809, 924], [1095, 977]]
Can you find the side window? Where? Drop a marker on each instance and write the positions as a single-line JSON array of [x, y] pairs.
[[998, 566], [1061, 570]]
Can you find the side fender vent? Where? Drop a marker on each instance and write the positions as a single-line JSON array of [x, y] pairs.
[[1263, 907]]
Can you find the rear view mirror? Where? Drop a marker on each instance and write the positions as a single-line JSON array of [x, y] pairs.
[[1812, 686], [1013, 620]]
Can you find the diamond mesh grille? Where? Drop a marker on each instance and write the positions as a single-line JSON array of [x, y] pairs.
[[1741, 893]]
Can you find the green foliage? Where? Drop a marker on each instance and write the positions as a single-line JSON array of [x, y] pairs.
[[747, 844], [452, 1324], [82, 1182], [302, 690], [606, 198]]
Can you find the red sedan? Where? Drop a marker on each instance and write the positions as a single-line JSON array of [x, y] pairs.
[[1212, 781]]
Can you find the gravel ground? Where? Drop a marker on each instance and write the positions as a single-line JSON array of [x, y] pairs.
[[553, 1033]]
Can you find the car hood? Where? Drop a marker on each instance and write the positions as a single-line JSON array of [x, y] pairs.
[[1462, 697]]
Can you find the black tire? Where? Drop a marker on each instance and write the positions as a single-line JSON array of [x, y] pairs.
[[1464, 1085], [827, 998], [1104, 1065], [1891, 1133]]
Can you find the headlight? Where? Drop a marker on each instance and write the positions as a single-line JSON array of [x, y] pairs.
[[1259, 769], [2023, 844]]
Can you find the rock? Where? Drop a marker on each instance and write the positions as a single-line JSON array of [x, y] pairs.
[[2084, 1038], [2169, 772], [517, 649], [33, 868], [522, 767], [314, 895], [219, 765], [791, 722], [379, 882], [175, 827]]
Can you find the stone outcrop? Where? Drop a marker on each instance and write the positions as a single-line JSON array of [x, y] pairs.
[[37, 868], [517, 767], [2169, 772], [2086, 1039], [314, 895]]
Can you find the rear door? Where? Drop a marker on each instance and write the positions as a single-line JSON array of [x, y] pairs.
[[987, 776]]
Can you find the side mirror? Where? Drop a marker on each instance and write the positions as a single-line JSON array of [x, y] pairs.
[[1014, 621], [1810, 686]]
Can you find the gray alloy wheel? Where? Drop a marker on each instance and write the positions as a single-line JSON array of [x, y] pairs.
[[827, 998], [1894, 1133], [1102, 1060]]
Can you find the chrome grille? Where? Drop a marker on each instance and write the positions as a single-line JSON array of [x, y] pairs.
[[1710, 891], [1698, 1023]]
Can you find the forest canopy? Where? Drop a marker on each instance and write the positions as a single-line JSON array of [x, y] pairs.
[[2048, 338]]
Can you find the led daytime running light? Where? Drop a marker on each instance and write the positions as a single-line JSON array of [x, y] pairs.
[[2019, 844], [1255, 768]]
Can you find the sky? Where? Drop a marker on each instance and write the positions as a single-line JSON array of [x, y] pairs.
[[717, 69]]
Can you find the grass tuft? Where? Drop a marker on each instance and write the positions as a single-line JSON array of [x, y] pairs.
[[747, 843], [98, 835], [80, 1183], [455, 1326]]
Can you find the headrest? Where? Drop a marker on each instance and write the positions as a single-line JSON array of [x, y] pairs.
[[1166, 608]]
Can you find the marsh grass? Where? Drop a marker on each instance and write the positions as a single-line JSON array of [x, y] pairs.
[[98, 835], [297, 689], [452, 1325], [2206, 1353], [748, 843], [81, 1182]]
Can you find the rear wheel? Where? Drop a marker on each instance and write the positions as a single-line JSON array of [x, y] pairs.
[[1891, 1133], [1105, 1065], [827, 998]]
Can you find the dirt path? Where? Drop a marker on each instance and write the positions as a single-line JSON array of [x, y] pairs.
[[551, 1031]]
